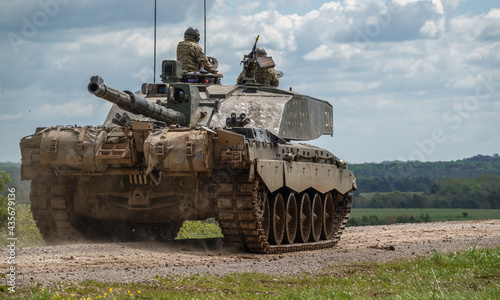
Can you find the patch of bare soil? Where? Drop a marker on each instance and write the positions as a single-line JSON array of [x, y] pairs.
[[140, 261]]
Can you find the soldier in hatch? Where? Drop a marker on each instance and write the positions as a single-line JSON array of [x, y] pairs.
[[262, 76], [190, 54]]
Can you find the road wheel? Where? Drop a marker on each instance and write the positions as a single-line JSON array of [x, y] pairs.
[[291, 219], [278, 220], [329, 224], [317, 220], [305, 217]]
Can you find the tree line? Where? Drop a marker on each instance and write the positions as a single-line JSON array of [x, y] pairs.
[[20, 220], [482, 191], [22, 187], [468, 183], [415, 176]]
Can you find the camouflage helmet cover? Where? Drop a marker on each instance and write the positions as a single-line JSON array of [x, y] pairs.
[[192, 32], [260, 51]]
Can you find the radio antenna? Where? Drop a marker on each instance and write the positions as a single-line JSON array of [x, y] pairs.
[[154, 68], [205, 26]]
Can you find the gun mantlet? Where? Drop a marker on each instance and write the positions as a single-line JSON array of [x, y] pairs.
[[171, 103]]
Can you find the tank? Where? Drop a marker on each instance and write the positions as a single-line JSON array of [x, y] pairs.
[[190, 148]]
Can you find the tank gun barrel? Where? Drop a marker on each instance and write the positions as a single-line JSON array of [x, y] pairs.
[[135, 103]]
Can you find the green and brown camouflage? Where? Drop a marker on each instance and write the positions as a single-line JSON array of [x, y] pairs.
[[190, 54]]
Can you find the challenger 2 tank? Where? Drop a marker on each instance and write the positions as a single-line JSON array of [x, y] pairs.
[[190, 148]]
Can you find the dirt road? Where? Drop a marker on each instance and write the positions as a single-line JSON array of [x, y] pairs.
[[127, 262]]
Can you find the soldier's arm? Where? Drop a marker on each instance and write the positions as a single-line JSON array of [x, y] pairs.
[[207, 65], [274, 78], [202, 60]]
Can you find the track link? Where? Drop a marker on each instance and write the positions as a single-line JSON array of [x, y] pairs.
[[240, 216], [50, 205]]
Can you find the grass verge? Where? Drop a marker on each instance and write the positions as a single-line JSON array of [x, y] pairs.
[[385, 216], [436, 214], [472, 274]]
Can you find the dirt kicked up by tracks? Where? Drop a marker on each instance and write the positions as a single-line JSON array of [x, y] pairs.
[[140, 261]]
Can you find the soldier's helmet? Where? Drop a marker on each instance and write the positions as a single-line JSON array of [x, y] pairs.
[[260, 51], [192, 32]]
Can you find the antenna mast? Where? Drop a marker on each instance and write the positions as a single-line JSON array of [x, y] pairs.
[[205, 26], [154, 68]]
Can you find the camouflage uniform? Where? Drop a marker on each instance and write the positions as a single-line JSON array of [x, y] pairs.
[[190, 54], [263, 76]]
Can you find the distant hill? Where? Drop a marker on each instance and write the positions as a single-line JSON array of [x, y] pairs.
[[415, 176]]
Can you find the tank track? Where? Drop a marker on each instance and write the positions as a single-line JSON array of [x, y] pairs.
[[239, 213], [52, 211], [50, 205]]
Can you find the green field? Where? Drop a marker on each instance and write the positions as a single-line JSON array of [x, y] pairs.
[[472, 274], [436, 214]]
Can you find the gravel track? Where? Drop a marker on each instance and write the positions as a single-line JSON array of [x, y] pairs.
[[140, 261]]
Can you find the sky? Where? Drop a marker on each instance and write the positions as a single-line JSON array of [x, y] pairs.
[[408, 79]]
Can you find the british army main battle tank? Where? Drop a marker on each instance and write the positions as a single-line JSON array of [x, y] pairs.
[[190, 148]]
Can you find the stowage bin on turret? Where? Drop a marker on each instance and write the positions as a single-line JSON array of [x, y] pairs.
[[190, 148]]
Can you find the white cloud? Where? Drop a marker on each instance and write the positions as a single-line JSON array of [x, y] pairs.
[[479, 53], [432, 29], [295, 2], [144, 74], [77, 108], [467, 82], [8, 117], [339, 51], [494, 13], [438, 6], [322, 52]]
